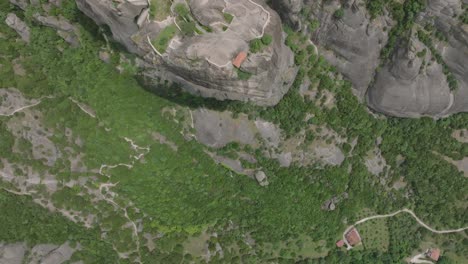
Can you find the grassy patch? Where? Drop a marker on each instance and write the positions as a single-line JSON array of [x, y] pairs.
[[160, 9], [164, 37], [374, 234], [228, 17], [243, 75], [257, 45], [303, 247]]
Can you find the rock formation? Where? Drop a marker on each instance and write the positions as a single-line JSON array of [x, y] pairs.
[[407, 85], [410, 85], [197, 48], [19, 26]]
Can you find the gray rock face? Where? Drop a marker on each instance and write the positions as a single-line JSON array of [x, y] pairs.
[[412, 86], [352, 43], [409, 88], [202, 62], [23, 4], [64, 28], [406, 86], [19, 26]]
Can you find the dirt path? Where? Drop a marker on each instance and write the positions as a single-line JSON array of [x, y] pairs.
[[420, 222], [22, 108], [420, 259], [106, 186], [268, 19]]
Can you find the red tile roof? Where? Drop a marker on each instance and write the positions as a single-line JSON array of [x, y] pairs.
[[433, 253], [237, 62], [353, 237], [340, 243]]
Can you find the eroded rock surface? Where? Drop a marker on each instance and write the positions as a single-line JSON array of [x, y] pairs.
[[407, 85], [412, 84], [202, 61]]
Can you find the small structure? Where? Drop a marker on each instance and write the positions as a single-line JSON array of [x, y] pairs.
[[340, 243], [433, 253], [352, 237], [239, 59]]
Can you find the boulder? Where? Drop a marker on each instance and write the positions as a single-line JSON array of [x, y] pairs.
[[261, 178], [64, 28], [19, 26]]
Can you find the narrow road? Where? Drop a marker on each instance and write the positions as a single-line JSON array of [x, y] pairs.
[[420, 222]]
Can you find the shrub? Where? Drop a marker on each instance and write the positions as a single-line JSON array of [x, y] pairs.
[[255, 45], [228, 17], [339, 13], [243, 75], [267, 39]]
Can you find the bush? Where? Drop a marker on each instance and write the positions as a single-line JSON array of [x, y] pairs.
[[255, 45], [187, 28], [228, 17], [339, 13], [267, 39], [162, 40], [243, 75], [182, 11]]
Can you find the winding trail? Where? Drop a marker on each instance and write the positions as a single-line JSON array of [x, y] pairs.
[[268, 19], [420, 222], [82, 107], [22, 108]]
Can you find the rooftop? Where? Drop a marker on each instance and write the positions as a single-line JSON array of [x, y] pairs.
[[340, 243], [237, 62], [433, 253], [353, 237]]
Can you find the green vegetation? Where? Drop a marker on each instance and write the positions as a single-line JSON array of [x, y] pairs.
[[404, 14], [376, 7], [339, 13], [314, 25], [243, 75], [184, 194], [258, 44], [24, 221], [183, 11], [160, 9], [228, 17], [464, 16], [164, 37], [374, 233], [427, 40]]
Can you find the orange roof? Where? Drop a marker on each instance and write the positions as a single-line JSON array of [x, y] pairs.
[[434, 254], [353, 237], [340, 243], [237, 62]]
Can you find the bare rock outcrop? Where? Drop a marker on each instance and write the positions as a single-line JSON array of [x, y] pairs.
[[351, 43], [413, 82], [409, 87], [64, 28], [406, 85], [19, 26], [197, 49]]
